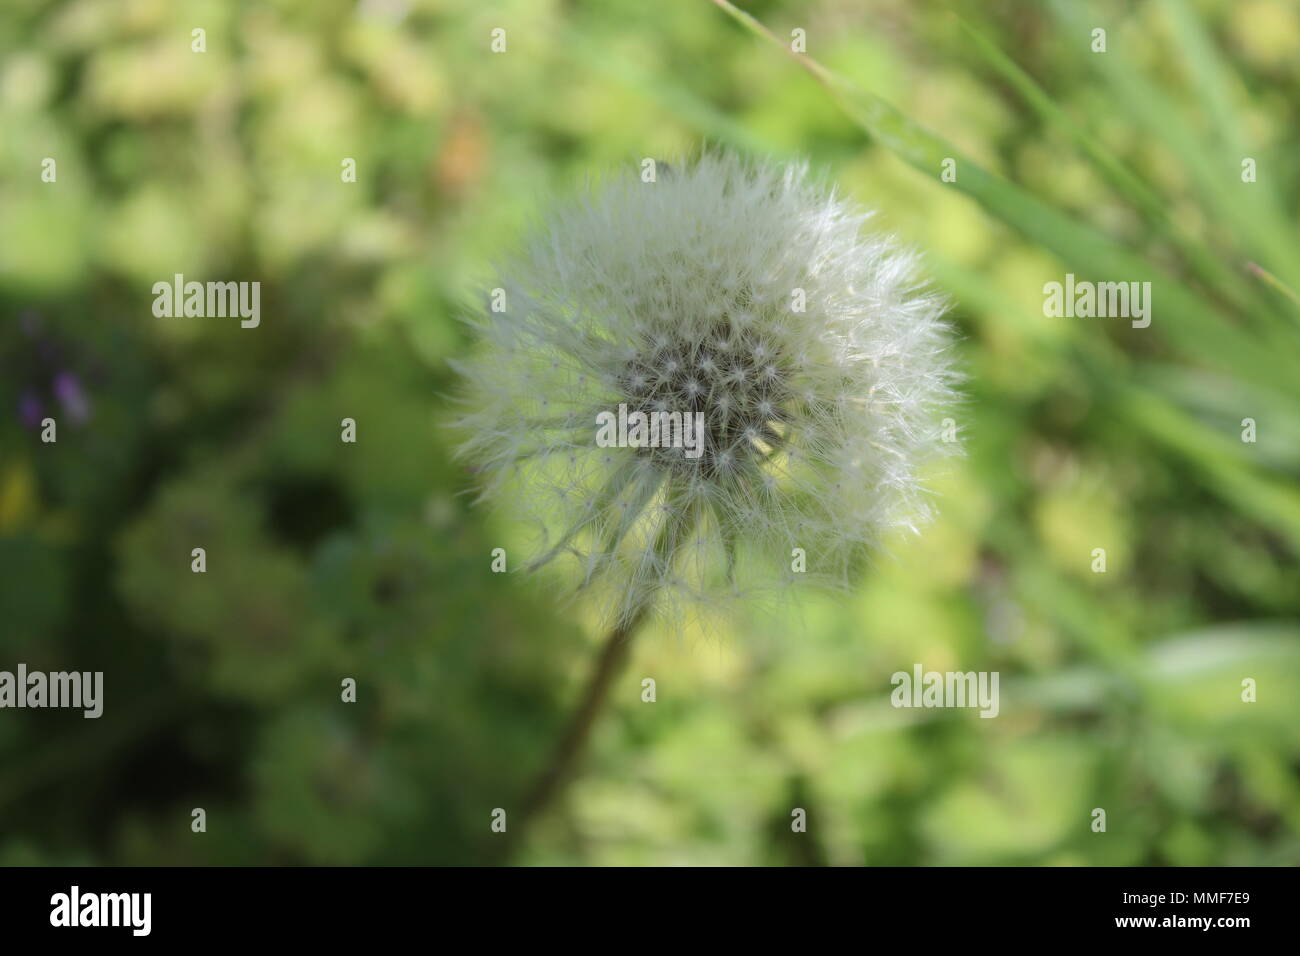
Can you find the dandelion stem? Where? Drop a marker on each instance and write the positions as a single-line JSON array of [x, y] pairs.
[[559, 769], [614, 654]]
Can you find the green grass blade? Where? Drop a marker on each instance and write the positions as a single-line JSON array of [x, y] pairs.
[[1192, 324]]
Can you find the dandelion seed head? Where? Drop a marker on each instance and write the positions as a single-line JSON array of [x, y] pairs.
[[676, 296]]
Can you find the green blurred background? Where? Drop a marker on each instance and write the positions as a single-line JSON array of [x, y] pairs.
[[326, 560]]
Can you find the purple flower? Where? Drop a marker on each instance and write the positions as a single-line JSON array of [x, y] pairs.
[[30, 410], [47, 370], [67, 389]]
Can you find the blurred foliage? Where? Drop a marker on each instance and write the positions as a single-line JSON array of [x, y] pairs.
[[328, 560]]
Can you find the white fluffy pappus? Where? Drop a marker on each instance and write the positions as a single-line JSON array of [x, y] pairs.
[[746, 291]]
